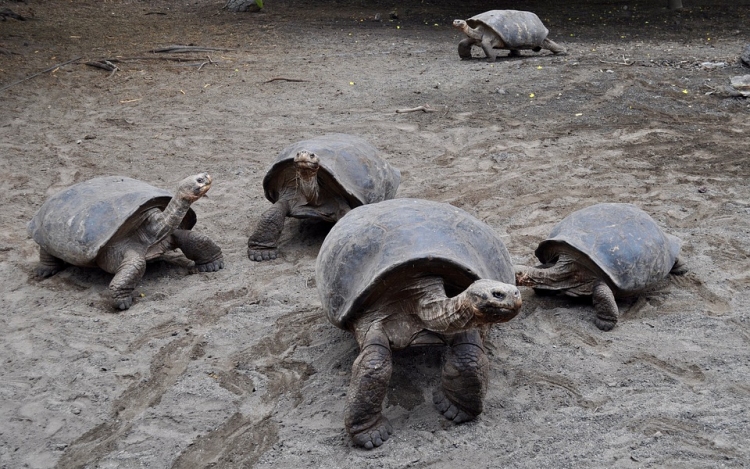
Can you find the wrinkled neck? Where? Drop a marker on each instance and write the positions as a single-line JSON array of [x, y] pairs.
[[564, 274], [308, 186], [170, 218], [440, 313], [471, 32]]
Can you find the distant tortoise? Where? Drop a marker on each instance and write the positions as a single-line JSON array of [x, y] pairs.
[[117, 224], [607, 251], [412, 272], [321, 178], [504, 29]]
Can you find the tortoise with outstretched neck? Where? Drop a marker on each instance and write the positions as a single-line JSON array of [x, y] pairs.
[[605, 251], [504, 29], [118, 223], [413, 272], [320, 178]]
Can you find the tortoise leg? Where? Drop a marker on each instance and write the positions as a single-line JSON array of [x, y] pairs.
[[489, 51], [605, 306], [553, 46], [131, 270], [263, 243], [465, 377], [514, 53], [201, 249], [679, 267], [371, 373], [464, 48], [48, 265]]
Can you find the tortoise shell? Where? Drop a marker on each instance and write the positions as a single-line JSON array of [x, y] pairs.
[[347, 161], [517, 29], [78, 221], [376, 247], [621, 240]]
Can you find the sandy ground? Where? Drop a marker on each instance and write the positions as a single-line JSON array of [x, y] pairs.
[[240, 368]]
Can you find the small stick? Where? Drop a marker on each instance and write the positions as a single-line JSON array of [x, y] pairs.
[[284, 79], [425, 108], [54, 67], [204, 63], [624, 62], [176, 59], [184, 49]]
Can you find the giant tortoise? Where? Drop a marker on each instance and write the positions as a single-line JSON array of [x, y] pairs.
[[607, 251], [504, 29], [413, 272], [320, 178], [118, 223]]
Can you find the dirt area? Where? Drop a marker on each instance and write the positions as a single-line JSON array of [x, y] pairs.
[[240, 368]]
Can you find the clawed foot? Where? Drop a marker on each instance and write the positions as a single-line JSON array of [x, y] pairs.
[[213, 266], [604, 324], [375, 435], [449, 409], [122, 303], [44, 271], [259, 255]]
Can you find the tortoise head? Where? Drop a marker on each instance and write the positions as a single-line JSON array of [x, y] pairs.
[[493, 301], [307, 162], [194, 187], [459, 24], [307, 165]]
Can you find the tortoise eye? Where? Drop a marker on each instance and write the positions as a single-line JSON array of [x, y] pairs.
[[498, 295], [201, 180]]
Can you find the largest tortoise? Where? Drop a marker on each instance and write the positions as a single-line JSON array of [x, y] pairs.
[[512, 30], [320, 178], [607, 251], [414, 272], [118, 223]]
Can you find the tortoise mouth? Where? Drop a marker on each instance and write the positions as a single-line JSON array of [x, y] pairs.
[[495, 314]]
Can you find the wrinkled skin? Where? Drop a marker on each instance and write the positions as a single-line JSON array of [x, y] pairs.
[[153, 234], [421, 313], [300, 188], [573, 275]]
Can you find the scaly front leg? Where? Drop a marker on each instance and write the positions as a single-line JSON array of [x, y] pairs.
[[465, 376], [263, 243], [131, 270], [371, 373], [201, 249], [605, 306]]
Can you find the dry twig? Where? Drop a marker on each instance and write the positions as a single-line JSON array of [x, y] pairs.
[[104, 65], [204, 63], [425, 108], [624, 62], [296, 80], [177, 49], [52, 68]]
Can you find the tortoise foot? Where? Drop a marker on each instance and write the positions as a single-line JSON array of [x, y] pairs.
[[375, 435], [122, 303], [44, 271], [260, 255], [449, 409], [605, 324], [213, 266]]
